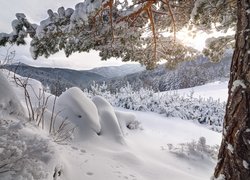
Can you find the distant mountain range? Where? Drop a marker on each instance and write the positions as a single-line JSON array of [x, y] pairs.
[[187, 74], [56, 78], [65, 78]]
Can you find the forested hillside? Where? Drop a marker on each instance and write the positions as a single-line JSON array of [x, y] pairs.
[[187, 74]]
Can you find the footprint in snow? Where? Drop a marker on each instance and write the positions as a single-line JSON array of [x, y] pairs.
[[90, 173], [73, 147], [83, 151]]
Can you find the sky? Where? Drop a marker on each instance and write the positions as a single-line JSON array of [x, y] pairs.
[[35, 11]]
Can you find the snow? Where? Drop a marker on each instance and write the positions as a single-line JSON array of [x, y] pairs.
[[9, 102], [108, 143], [248, 11], [40, 29], [81, 111], [127, 121], [15, 23], [110, 126], [217, 90], [221, 177], [238, 83], [69, 12], [245, 164], [82, 10], [20, 16], [142, 156], [230, 148], [27, 153]]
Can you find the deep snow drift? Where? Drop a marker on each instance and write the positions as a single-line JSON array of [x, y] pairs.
[[108, 143], [81, 111]]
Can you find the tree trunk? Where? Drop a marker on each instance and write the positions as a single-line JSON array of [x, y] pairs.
[[234, 154]]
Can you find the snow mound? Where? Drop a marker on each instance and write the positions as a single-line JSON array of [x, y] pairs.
[[109, 122], [94, 118], [9, 103], [127, 121], [81, 111]]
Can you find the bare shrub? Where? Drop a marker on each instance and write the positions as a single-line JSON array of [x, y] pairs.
[[36, 113]]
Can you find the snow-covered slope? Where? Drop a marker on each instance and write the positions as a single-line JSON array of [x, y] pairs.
[[118, 144], [146, 155], [216, 90]]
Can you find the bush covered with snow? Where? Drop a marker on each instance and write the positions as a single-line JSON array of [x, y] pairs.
[[208, 112], [24, 153], [195, 150]]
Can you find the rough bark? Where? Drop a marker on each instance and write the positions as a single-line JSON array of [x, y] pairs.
[[234, 154]]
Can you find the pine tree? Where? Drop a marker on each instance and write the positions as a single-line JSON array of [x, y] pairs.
[[234, 155], [134, 30]]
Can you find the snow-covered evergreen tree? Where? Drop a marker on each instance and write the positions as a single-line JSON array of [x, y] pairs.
[[120, 28]]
